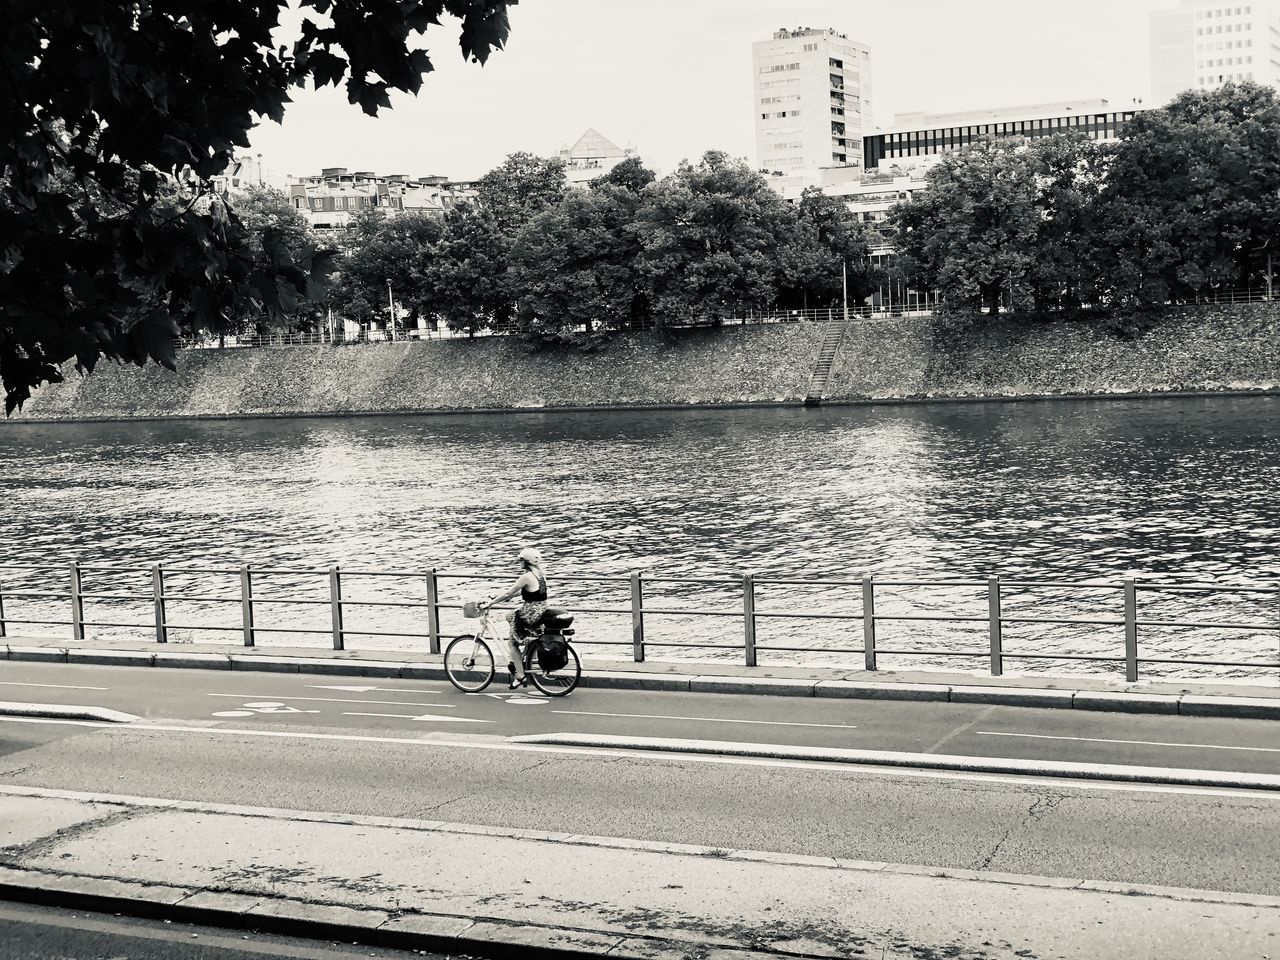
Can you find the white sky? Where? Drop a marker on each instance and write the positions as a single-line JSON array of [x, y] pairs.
[[674, 77]]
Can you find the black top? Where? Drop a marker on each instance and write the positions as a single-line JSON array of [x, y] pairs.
[[533, 596]]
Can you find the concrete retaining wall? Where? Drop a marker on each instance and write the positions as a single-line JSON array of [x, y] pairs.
[[1194, 350]]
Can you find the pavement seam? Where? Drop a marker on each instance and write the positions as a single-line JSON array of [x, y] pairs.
[[48, 842], [1038, 809]]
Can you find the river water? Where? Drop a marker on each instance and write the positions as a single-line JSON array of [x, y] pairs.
[[1167, 490]]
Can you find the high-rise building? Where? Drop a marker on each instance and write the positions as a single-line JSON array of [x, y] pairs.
[[812, 100], [1204, 44]]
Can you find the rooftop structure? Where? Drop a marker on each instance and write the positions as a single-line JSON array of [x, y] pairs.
[[331, 198], [592, 156]]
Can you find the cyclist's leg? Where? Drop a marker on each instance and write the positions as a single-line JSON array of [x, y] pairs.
[[513, 649]]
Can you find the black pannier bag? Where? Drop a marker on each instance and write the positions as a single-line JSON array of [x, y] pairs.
[[553, 652], [555, 619]]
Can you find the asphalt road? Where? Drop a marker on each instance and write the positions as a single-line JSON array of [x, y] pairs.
[[45, 933], [420, 749], [411, 707]]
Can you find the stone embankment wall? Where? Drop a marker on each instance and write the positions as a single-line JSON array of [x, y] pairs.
[[1200, 349], [1203, 349]]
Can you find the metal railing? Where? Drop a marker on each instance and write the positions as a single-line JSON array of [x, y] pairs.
[[912, 305], [991, 614]]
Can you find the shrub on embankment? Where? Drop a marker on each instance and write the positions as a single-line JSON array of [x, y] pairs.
[[1193, 349], [1189, 349]]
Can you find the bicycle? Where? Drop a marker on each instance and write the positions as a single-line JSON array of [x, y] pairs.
[[470, 665]]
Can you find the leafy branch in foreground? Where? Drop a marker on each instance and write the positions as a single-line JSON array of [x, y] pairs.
[[115, 117]]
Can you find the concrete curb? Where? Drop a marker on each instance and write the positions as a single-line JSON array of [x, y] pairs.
[[1256, 708], [488, 937], [930, 761], [59, 711]]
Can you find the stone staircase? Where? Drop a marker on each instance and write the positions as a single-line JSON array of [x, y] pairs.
[[832, 334]]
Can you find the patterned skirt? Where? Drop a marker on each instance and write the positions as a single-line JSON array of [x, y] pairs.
[[524, 620]]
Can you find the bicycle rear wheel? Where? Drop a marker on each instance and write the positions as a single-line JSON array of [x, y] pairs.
[[468, 661], [560, 682]]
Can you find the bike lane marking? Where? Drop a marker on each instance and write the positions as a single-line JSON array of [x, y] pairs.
[[425, 716], [1137, 743], [53, 686], [397, 703], [663, 716], [261, 706]]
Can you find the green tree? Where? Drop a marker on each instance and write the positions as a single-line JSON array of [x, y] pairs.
[[1068, 171], [467, 272], [712, 233], [1192, 196], [273, 225], [576, 264], [630, 174], [379, 249], [520, 188], [109, 106], [971, 234], [824, 240]]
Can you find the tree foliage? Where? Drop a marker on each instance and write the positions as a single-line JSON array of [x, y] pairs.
[[825, 243], [116, 116], [711, 233], [969, 235], [577, 264], [1192, 198]]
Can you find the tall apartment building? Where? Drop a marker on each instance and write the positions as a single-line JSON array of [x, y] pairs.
[[812, 100], [1204, 44]]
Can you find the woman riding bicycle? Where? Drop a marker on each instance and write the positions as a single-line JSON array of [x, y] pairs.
[[532, 587]]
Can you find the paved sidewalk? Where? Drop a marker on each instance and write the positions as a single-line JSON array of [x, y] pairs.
[[429, 885], [1260, 701]]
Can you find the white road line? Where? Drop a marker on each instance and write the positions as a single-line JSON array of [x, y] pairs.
[[425, 716], [1139, 743], [394, 703], [55, 686], [498, 743], [663, 716]]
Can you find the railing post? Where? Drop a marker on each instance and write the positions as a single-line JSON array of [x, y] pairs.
[[433, 612], [869, 620], [246, 603], [157, 596], [997, 638], [637, 617], [1130, 630], [335, 605], [77, 602], [749, 617], [1, 609]]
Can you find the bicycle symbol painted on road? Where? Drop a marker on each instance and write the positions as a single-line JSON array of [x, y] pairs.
[[261, 706]]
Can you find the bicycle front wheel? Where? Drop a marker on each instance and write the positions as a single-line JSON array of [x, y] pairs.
[[469, 663], [560, 682]]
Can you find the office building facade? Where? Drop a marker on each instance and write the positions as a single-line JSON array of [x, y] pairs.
[[812, 100], [1204, 44], [915, 138]]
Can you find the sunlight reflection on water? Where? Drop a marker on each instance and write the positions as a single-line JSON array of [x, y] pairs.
[[1069, 490]]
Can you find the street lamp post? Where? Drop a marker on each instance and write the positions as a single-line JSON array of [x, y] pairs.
[[391, 311]]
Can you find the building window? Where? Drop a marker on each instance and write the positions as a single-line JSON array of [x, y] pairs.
[[810, 46]]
